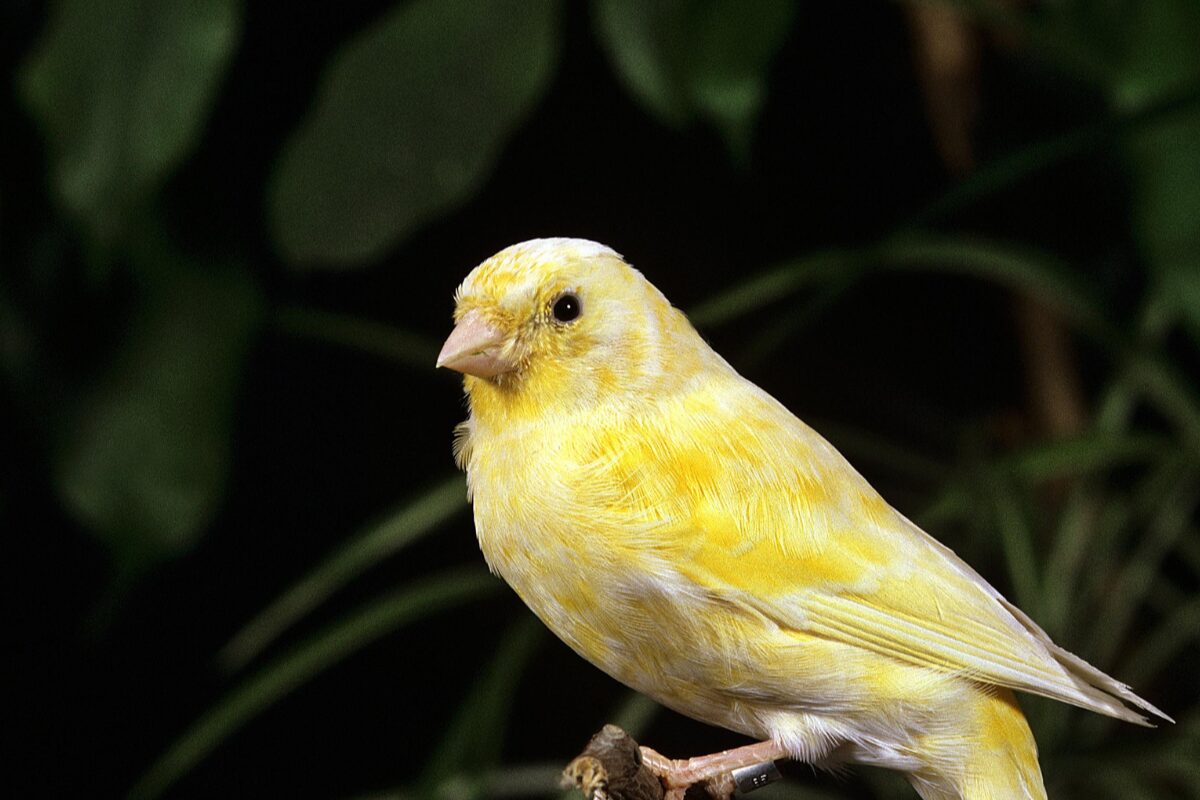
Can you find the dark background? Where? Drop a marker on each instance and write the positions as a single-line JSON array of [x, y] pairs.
[[201, 411]]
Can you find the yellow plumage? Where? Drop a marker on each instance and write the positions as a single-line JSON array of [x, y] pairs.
[[682, 530]]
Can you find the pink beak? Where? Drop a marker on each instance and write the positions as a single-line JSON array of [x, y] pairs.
[[473, 348]]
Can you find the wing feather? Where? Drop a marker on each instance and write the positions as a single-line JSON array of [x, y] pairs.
[[1018, 666], [845, 566]]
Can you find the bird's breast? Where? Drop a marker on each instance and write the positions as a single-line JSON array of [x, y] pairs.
[[590, 566], [588, 546]]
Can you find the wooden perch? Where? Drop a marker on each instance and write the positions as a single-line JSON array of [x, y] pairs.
[[613, 767]]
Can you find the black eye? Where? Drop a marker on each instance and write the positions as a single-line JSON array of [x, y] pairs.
[[566, 308]]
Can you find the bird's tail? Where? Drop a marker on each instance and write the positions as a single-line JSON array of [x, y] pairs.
[[996, 761]]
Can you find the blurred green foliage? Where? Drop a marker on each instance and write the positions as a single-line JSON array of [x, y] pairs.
[[144, 450], [121, 90], [1095, 532], [685, 59], [387, 147]]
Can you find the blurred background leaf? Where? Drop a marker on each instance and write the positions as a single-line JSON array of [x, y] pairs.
[[411, 349], [291, 670], [121, 90], [1161, 59], [143, 454], [386, 148], [697, 58], [400, 528], [474, 739]]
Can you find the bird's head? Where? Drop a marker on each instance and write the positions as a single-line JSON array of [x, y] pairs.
[[562, 323]]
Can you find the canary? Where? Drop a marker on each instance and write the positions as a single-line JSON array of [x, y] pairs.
[[679, 528]]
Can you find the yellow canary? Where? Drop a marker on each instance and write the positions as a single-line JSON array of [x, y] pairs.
[[684, 532]]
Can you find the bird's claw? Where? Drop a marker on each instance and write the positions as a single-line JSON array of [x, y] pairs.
[[587, 774]]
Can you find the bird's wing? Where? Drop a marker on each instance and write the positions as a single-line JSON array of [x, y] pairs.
[[949, 618], [812, 546]]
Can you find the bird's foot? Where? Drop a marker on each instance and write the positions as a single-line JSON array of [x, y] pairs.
[[718, 772], [589, 775]]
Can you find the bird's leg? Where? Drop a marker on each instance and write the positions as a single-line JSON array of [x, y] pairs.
[[678, 774]]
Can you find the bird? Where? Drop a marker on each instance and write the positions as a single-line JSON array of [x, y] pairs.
[[678, 527]]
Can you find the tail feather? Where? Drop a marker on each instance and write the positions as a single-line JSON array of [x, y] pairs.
[[1100, 692], [1088, 687]]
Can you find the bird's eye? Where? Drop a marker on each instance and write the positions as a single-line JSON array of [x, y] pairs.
[[566, 308]]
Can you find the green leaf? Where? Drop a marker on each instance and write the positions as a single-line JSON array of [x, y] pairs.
[[540, 780], [1141, 568], [1012, 522], [401, 527], [1075, 533], [1003, 263], [1165, 176], [1165, 386], [635, 714], [1160, 58], [142, 455], [1038, 273], [517, 781], [403, 347], [684, 59], [1007, 170], [327, 648], [1091, 451], [868, 446], [409, 120], [1079, 538], [817, 269], [475, 737], [121, 90], [1154, 45], [1011, 265], [1164, 642], [646, 43], [1182, 285], [728, 64]]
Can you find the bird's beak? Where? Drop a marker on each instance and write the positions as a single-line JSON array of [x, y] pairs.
[[473, 348]]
